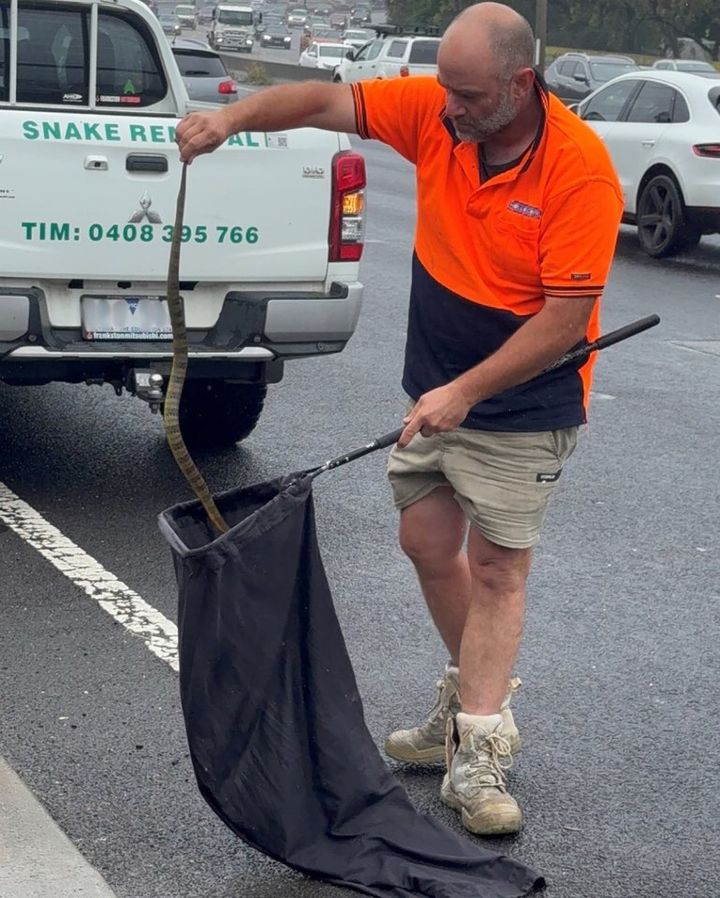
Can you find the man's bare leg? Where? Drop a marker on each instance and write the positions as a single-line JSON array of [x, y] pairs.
[[494, 622], [432, 535]]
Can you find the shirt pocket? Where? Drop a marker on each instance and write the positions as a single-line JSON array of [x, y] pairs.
[[516, 247]]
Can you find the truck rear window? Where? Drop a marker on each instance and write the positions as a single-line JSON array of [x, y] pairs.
[[53, 53], [424, 52], [129, 70]]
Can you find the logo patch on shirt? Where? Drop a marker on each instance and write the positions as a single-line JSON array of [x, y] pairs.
[[580, 276], [524, 209]]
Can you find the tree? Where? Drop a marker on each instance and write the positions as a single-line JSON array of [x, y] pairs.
[[610, 25]]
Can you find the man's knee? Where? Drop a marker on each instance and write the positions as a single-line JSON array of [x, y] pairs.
[[497, 569]]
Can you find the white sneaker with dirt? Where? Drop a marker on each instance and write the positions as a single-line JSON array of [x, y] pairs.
[[478, 759], [425, 744]]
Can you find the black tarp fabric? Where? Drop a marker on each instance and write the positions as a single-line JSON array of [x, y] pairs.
[[274, 720]]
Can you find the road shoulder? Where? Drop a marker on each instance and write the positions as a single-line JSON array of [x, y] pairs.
[[37, 860]]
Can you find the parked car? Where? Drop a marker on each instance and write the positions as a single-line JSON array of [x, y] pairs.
[[276, 34], [297, 18], [321, 55], [203, 72], [357, 37], [187, 14], [573, 76], [684, 65], [390, 55], [661, 129], [170, 23]]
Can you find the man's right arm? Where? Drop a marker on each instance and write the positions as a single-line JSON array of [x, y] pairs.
[[310, 104]]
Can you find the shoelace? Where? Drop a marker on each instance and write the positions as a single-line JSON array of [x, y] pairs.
[[492, 759]]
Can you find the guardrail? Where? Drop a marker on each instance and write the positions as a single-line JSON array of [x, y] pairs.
[[275, 71]]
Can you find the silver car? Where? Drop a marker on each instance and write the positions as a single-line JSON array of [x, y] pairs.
[[203, 72], [170, 23]]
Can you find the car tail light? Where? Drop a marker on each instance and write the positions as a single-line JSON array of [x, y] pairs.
[[404, 71], [227, 87], [709, 150], [347, 219]]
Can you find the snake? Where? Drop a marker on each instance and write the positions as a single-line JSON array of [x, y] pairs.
[[178, 372]]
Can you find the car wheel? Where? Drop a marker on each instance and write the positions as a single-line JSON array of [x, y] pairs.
[[216, 414], [663, 228]]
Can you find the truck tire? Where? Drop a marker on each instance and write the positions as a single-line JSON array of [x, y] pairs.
[[663, 227], [215, 414]]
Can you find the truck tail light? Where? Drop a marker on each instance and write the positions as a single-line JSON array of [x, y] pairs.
[[227, 87], [709, 150], [347, 218], [404, 71]]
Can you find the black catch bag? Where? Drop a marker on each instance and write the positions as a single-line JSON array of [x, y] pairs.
[[274, 719]]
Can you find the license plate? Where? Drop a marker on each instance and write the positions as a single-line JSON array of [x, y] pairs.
[[125, 318]]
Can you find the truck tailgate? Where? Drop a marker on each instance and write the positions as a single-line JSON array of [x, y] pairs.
[[101, 203]]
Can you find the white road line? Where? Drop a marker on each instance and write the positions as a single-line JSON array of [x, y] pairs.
[[158, 633]]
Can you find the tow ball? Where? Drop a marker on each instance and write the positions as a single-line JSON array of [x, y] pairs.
[[149, 386]]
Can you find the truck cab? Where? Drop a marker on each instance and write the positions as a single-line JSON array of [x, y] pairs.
[[233, 28]]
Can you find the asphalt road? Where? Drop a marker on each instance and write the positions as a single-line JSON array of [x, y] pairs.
[[618, 778]]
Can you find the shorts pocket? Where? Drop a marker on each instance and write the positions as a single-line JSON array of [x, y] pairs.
[[564, 442]]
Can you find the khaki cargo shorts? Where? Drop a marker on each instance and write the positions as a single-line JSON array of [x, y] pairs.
[[502, 481]]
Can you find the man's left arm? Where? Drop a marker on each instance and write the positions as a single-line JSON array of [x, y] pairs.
[[576, 253]]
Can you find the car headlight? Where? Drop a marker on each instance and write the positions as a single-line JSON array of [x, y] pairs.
[[266, 37]]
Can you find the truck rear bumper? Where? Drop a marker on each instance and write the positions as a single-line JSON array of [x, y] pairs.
[[252, 326]]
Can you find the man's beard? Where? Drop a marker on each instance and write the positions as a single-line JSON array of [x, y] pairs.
[[478, 130]]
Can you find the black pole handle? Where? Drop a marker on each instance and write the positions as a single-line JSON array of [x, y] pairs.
[[622, 333], [616, 336]]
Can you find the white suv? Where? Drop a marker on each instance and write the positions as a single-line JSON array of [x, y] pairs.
[[389, 55], [661, 129]]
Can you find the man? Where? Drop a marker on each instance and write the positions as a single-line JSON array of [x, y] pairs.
[[518, 212]]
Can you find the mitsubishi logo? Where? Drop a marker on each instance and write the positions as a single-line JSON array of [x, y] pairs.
[[144, 211]]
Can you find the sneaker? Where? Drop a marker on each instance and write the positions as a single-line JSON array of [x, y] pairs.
[[478, 758], [425, 744]]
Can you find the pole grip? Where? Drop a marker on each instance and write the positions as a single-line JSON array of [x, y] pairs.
[[622, 333]]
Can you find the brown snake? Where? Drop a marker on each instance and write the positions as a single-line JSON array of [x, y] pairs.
[[179, 370]]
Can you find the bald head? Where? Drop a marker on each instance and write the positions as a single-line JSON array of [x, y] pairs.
[[490, 34]]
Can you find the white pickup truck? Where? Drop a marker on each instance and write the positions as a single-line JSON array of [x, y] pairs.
[[394, 53], [89, 171]]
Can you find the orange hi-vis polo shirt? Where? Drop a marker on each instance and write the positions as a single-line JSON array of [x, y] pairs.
[[487, 253]]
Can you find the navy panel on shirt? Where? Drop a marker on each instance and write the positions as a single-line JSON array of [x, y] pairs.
[[447, 335]]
